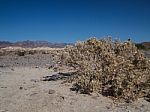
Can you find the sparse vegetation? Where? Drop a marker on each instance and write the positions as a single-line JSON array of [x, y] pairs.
[[20, 53], [112, 68], [140, 46]]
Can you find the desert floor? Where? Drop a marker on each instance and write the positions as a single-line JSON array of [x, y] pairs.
[[22, 90]]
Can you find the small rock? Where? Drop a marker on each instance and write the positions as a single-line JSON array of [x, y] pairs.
[[37, 67], [1, 66], [142, 106], [20, 88], [50, 66], [62, 97], [107, 107], [34, 80], [3, 87], [12, 69], [51, 91]]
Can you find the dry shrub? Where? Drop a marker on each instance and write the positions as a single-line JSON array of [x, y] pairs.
[[109, 67], [21, 53]]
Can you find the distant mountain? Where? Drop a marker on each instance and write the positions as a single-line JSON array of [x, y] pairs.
[[5, 44], [146, 44], [143, 45], [33, 44]]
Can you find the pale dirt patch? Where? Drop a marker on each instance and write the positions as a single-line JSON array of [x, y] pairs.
[[21, 90]]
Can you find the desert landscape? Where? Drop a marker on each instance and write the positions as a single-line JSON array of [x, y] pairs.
[[74, 55], [24, 86]]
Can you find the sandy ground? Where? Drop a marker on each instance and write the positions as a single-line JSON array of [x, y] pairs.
[[37, 60], [22, 90]]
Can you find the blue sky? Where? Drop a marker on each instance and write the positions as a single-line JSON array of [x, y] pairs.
[[72, 20]]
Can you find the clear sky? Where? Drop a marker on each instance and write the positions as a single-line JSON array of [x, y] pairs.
[[72, 20]]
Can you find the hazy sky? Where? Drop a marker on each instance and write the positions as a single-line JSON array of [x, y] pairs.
[[72, 20]]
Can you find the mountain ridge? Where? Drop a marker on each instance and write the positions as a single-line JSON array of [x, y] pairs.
[[32, 44]]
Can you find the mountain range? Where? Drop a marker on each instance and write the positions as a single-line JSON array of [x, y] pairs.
[[33, 44]]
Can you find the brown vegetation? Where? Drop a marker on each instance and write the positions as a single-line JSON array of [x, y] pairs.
[[109, 67]]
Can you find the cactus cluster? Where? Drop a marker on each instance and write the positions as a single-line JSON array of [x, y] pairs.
[[112, 68]]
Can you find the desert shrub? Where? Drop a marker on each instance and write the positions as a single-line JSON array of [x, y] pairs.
[[140, 46], [32, 52], [109, 67], [21, 53]]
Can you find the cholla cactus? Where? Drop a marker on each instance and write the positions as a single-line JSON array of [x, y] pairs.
[[111, 68]]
